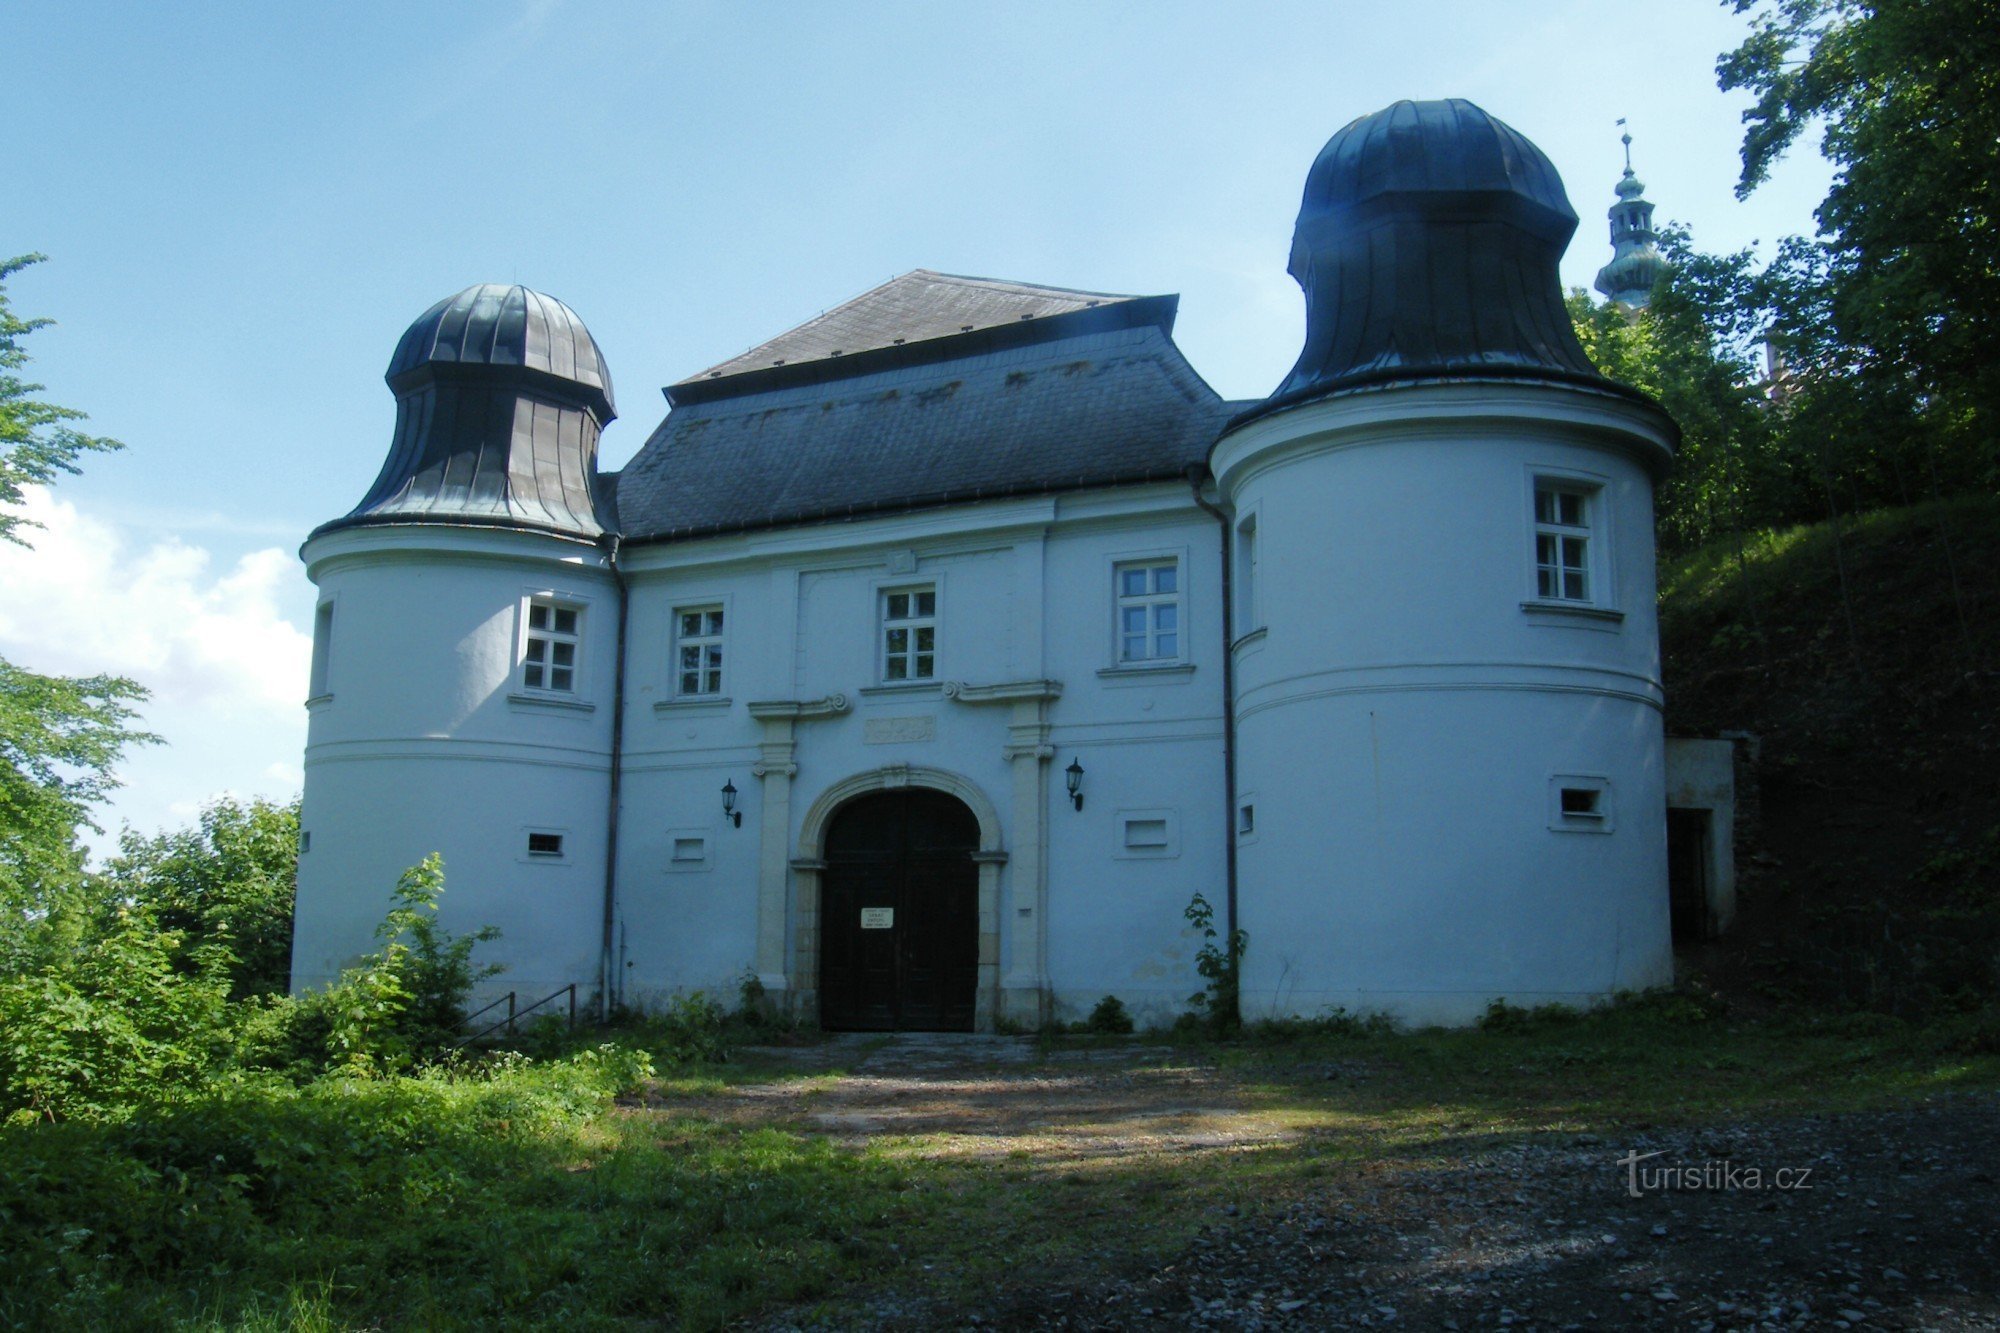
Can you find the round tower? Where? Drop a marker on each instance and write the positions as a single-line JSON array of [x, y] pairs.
[[463, 651], [1447, 705]]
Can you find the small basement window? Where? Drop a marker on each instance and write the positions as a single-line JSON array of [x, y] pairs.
[[1580, 803], [688, 850], [1145, 834], [545, 845]]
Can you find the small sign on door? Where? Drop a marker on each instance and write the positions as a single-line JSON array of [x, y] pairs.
[[878, 918]]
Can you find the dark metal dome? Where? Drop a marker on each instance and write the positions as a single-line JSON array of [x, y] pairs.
[[489, 325], [501, 394], [1427, 244]]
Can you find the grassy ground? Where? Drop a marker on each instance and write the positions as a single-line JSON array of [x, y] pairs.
[[732, 1192]]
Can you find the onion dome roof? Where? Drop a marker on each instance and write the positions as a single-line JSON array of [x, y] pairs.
[[501, 394], [1427, 243], [488, 325]]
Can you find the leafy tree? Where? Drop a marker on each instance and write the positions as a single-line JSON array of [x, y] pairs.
[[1693, 349], [36, 441], [1906, 284], [59, 737], [229, 880]]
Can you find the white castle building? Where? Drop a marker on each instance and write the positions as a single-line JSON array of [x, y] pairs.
[[930, 657]]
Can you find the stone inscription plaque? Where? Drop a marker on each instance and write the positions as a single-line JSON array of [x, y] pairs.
[[898, 730], [878, 918]]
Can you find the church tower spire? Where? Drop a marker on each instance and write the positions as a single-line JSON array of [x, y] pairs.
[[1635, 255]]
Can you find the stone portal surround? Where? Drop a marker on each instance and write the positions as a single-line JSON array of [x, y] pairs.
[[788, 886]]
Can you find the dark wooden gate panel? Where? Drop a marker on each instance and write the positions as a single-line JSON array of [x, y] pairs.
[[1687, 875], [905, 859]]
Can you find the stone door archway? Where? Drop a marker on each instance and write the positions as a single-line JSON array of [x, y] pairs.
[[810, 865]]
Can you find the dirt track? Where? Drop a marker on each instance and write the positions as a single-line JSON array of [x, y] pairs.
[[1891, 1226]]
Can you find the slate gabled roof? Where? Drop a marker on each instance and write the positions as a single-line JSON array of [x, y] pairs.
[[1091, 395], [916, 307]]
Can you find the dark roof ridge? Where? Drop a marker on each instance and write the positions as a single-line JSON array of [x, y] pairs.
[[1007, 284], [862, 378], [1125, 313]]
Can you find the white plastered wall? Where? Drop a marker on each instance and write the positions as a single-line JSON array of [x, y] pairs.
[[424, 740], [1407, 714]]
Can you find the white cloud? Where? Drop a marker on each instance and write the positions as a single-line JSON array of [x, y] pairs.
[[225, 665], [83, 599]]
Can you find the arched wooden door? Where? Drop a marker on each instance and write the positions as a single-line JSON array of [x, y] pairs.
[[899, 914]]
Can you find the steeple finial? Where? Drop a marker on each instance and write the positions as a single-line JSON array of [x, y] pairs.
[[1635, 258]]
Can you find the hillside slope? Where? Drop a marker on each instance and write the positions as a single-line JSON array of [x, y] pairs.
[[1873, 874]]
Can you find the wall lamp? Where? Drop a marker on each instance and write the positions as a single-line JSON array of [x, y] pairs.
[[729, 810], [1075, 775]]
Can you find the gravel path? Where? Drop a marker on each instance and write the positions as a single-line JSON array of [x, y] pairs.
[[1881, 1220]]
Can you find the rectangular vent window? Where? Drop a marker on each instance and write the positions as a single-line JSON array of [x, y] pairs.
[[1246, 819], [305, 841], [1581, 803], [1146, 833], [545, 844], [690, 849]]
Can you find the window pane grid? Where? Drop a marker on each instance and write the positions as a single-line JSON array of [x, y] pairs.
[[909, 634], [1149, 611], [698, 638], [549, 656], [1562, 544]]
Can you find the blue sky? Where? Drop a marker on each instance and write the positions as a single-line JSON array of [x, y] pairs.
[[244, 205]]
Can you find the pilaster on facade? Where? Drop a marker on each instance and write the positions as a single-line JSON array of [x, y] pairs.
[[1024, 993], [775, 768]]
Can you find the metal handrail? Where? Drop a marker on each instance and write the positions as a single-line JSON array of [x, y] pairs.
[[514, 1013], [507, 999]]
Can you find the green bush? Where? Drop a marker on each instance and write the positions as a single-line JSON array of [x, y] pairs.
[[1335, 1022], [125, 1012], [1109, 1016], [401, 1005], [107, 1008], [1220, 966]]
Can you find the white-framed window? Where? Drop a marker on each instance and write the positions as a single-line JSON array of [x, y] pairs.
[[1149, 611], [1245, 817], [322, 652], [544, 845], [909, 632], [1563, 516], [1249, 615], [698, 650], [550, 647]]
